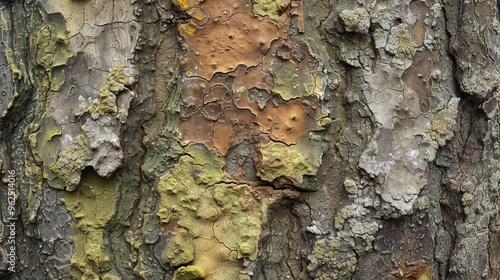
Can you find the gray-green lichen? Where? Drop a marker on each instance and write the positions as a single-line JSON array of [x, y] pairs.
[[50, 55], [443, 124], [328, 260], [52, 47], [357, 20], [335, 258], [43, 154], [401, 43], [107, 118]]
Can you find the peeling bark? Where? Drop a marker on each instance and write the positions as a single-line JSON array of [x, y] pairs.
[[215, 139]]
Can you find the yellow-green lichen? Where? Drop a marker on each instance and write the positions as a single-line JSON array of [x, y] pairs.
[[52, 51], [92, 205], [16, 72], [180, 250], [226, 217], [274, 9], [183, 190], [291, 162], [198, 169], [189, 273], [116, 81], [44, 150], [292, 81], [110, 276], [239, 224], [70, 164], [52, 47]]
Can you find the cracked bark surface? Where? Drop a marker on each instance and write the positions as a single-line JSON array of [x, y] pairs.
[[284, 139]]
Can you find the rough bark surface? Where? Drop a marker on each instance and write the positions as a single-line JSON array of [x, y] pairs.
[[217, 139]]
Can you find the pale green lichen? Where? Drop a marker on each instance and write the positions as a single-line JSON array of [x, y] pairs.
[[16, 72], [291, 162], [468, 199], [323, 251], [116, 81], [92, 205], [350, 186], [274, 9], [70, 164], [401, 44], [325, 263], [343, 215], [443, 124], [292, 81], [357, 20]]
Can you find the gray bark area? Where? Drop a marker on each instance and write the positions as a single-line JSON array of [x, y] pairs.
[[94, 114]]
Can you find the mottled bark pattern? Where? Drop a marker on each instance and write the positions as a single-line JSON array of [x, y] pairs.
[[250, 139]]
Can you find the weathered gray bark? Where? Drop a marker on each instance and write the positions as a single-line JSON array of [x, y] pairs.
[[286, 139]]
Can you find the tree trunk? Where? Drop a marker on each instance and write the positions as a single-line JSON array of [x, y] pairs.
[[217, 139]]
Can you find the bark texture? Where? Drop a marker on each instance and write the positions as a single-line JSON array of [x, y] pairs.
[[264, 139]]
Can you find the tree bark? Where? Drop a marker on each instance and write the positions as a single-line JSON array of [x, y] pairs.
[[215, 139]]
